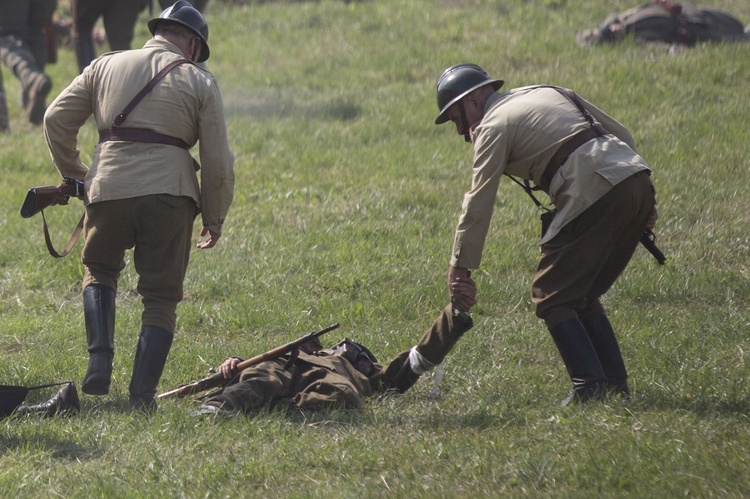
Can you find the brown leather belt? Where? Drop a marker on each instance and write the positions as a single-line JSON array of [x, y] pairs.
[[140, 135], [566, 150]]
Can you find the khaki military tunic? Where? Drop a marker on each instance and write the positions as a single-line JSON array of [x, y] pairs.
[[186, 105], [520, 132]]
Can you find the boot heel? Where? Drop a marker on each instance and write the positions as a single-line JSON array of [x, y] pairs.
[[99, 374]]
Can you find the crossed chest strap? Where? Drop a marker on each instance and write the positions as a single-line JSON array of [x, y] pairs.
[[125, 134]]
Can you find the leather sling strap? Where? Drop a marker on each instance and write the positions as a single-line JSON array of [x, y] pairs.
[[71, 242], [141, 134], [149, 86], [565, 150], [574, 142]]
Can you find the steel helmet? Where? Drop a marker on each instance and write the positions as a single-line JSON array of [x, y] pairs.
[[185, 14], [458, 81]]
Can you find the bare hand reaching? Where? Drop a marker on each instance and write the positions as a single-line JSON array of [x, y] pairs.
[[213, 238]]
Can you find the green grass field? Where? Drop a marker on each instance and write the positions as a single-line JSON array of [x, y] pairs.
[[346, 202]]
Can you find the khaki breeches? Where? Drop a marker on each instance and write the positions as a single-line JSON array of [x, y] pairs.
[[583, 261], [159, 229]]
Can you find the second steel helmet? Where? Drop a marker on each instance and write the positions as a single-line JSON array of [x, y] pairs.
[[181, 12], [458, 81]]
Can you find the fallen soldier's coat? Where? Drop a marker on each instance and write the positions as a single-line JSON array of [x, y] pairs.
[[342, 376], [668, 22]]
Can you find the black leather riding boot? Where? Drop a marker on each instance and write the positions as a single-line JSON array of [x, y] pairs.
[[64, 403], [154, 344], [99, 314], [607, 348], [581, 361]]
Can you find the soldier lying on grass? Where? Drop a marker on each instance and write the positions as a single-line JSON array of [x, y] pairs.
[[342, 376]]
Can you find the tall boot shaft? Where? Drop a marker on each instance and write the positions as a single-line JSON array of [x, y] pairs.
[[151, 355], [607, 348], [99, 315], [580, 358]]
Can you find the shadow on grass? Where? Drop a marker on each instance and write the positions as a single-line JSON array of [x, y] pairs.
[[55, 446], [701, 405]]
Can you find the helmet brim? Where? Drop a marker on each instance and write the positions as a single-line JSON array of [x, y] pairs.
[[442, 117]]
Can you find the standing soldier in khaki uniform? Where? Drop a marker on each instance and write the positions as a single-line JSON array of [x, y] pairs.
[[586, 162], [142, 188], [23, 49]]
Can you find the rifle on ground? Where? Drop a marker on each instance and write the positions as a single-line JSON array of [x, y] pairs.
[[217, 380], [39, 198]]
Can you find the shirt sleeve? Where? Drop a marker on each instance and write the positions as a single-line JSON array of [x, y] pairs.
[[490, 159], [217, 160], [62, 120]]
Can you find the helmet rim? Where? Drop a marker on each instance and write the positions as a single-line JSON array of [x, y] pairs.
[[165, 17], [450, 74]]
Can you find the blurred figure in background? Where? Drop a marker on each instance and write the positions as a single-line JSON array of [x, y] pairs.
[[23, 49], [665, 21], [119, 17]]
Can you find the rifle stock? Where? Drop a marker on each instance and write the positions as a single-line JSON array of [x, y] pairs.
[[217, 380], [38, 198]]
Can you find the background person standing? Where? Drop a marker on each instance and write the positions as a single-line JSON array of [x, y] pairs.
[[119, 17]]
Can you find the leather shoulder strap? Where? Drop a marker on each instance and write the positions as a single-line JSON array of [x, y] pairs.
[[71, 242], [150, 85], [573, 98]]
